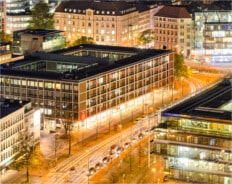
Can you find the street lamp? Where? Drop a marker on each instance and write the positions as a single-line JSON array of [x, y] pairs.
[[87, 151], [148, 143], [123, 177], [153, 171], [182, 86]]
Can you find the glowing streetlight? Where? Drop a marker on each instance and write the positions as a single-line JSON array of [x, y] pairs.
[[87, 151], [153, 171]]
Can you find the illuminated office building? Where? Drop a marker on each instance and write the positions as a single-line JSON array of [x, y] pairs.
[[80, 82], [198, 139], [212, 37], [28, 41]]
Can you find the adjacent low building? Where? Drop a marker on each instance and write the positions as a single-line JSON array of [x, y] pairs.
[[27, 41], [196, 137], [16, 118], [5, 52], [80, 82]]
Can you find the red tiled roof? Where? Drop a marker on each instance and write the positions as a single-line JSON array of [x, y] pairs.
[[173, 12]]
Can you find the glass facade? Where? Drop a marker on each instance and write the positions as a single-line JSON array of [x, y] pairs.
[[196, 149], [212, 37]]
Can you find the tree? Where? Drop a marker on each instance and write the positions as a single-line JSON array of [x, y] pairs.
[[180, 69], [5, 37], [114, 176], [68, 127], [140, 153], [82, 40], [130, 159], [41, 18], [55, 145], [26, 152], [146, 37]]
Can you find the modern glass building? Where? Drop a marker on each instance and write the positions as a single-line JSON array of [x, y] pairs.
[[196, 137], [80, 82], [212, 37]]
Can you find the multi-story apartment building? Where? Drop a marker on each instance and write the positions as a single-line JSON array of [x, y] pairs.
[[16, 117], [196, 141], [116, 23], [212, 36], [5, 52], [31, 40], [2, 16], [80, 82], [172, 27]]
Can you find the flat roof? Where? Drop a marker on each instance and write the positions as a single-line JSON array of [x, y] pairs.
[[206, 105], [135, 55], [8, 106], [39, 32]]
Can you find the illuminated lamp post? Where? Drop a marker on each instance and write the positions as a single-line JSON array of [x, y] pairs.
[[87, 151], [182, 93], [153, 171]]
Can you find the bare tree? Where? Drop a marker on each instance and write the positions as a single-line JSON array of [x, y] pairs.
[[25, 148], [130, 160], [68, 126], [114, 177], [55, 145], [140, 153]]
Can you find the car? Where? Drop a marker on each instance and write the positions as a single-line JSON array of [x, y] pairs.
[[126, 145], [165, 178], [119, 150], [134, 139], [98, 165], [92, 170], [138, 119], [141, 135], [112, 154], [106, 159], [113, 148]]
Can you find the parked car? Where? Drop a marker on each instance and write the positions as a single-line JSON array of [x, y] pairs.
[[119, 150], [92, 170], [126, 145], [98, 165], [106, 159], [165, 178]]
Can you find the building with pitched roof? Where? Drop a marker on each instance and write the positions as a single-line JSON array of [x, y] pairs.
[[80, 82], [195, 136], [116, 23], [172, 27]]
